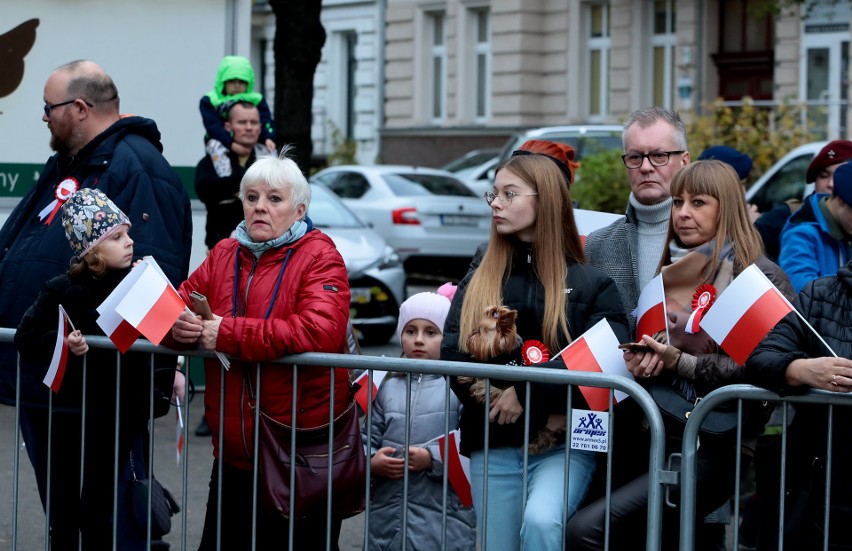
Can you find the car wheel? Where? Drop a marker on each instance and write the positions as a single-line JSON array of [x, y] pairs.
[[374, 335]]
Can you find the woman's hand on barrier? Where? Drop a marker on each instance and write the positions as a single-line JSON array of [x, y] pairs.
[[187, 329], [506, 409], [383, 463], [77, 343], [419, 459], [210, 333], [827, 373], [645, 364]]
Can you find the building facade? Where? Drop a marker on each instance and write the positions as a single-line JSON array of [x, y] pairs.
[[423, 81], [463, 74]]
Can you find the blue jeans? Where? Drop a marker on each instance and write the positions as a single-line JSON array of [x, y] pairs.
[[539, 526]]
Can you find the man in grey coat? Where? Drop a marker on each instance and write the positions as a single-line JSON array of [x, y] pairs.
[[629, 249]]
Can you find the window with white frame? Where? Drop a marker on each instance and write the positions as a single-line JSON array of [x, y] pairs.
[[598, 45], [663, 42], [482, 63], [437, 27]]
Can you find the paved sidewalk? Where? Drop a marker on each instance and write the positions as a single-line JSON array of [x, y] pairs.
[[198, 456]]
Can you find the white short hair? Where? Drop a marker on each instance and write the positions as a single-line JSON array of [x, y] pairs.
[[279, 172]]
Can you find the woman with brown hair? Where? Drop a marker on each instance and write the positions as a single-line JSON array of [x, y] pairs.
[[710, 241], [534, 264]]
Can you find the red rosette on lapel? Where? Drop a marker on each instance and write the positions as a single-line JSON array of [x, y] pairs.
[[702, 300], [534, 352]]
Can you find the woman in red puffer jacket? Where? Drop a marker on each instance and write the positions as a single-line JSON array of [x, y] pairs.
[[278, 287]]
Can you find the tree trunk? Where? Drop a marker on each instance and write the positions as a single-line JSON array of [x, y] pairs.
[[299, 37]]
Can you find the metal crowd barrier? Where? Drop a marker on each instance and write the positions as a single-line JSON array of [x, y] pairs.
[[743, 393], [192, 484]]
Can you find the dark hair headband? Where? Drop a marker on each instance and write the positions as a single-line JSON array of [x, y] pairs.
[[562, 166]]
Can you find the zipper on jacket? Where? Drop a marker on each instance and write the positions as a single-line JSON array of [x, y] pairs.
[[531, 273], [248, 282]]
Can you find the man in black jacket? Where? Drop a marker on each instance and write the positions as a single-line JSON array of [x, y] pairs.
[[792, 360], [121, 156], [220, 194]]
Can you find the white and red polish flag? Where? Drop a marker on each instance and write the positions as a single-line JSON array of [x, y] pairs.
[[362, 395], [151, 305], [744, 313], [651, 310], [56, 371], [121, 333], [458, 468], [596, 351]]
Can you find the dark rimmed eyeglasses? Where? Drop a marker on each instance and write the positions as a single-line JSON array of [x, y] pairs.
[[657, 158], [505, 198], [48, 107]]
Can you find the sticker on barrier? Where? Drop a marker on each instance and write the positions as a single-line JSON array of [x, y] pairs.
[[590, 430]]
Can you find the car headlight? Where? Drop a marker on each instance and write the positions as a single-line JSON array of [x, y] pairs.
[[390, 259]]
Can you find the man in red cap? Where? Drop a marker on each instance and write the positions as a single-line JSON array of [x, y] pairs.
[[821, 174], [817, 239]]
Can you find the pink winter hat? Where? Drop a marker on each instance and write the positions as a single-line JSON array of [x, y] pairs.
[[428, 306]]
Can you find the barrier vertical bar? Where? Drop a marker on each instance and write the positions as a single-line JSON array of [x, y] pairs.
[[116, 458], [406, 442], [332, 374]]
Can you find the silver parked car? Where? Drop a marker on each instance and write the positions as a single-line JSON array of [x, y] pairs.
[[586, 139], [427, 215], [376, 276], [474, 168]]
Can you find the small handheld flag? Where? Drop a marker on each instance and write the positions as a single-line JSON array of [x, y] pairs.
[[458, 468], [596, 351], [56, 371], [362, 395], [745, 313]]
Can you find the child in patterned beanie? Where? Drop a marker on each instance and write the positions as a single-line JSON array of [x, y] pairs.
[[103, 253], [97, 231]]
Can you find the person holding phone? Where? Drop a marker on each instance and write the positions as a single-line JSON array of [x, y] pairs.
[[710, 241], [278, 287]]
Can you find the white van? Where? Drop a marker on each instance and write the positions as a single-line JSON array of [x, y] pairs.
[[785, 179]]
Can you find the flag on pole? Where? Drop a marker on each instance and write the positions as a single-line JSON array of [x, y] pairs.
[[651, 310], [362, 395], [458, 468], [744, 313], [596, 351], [151, 305], [121, 333], [56, 371], [179, 429]]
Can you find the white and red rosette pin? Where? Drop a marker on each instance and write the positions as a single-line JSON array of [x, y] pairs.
[[702, 300], [64, 190], [534, 352]]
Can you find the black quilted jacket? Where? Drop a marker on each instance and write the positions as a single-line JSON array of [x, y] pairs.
[[827, 305], [592, 296]]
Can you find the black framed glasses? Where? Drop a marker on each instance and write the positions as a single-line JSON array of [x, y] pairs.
[[48, 107], [657, 158], [505, 197]]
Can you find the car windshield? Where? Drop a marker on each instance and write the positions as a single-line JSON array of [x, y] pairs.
[[406, 185], [327, 211], [586, 142]]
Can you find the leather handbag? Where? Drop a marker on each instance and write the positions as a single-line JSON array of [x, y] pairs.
[[163, 505], [674, 405], [311, 462]]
